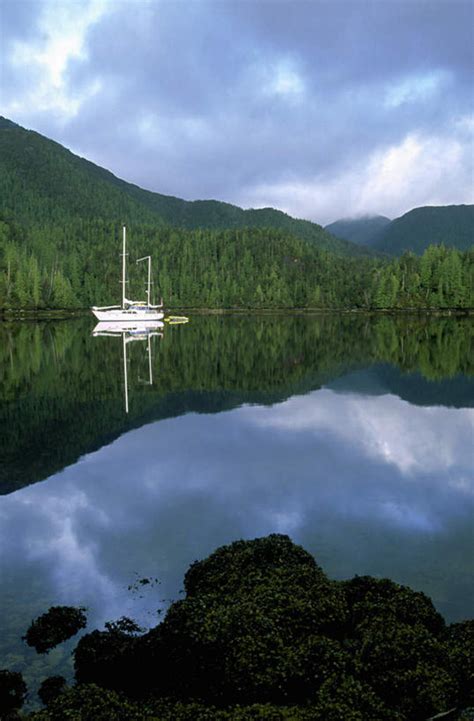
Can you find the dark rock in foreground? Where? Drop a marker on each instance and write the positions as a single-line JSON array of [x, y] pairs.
[[262, 633]]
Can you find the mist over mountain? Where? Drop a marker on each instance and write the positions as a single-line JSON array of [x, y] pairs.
[[450, 225]]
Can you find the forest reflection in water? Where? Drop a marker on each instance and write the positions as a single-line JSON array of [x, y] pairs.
[[352, 434], [62, 390]]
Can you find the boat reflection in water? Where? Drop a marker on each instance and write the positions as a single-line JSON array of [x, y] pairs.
[[129, 331]]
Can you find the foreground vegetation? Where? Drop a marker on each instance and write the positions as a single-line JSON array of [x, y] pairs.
[[262, 633]]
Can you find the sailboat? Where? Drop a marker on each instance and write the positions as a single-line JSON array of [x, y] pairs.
[[131, 310]]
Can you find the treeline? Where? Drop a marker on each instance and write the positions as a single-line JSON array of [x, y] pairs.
[[76, 265], [441, 278]]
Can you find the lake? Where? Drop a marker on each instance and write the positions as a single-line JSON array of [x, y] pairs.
[[126, 456]]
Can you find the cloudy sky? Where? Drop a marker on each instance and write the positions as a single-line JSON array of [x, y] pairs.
[[323, 108]]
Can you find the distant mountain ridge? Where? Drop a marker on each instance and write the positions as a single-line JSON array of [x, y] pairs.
[[449, 225], [42, 181], [363, 231]]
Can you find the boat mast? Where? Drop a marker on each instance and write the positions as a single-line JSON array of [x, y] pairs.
[[148, 292], [123, 268], [125, 374], [150, 374]]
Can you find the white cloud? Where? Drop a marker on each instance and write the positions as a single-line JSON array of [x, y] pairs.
[[414, 439], [61, 542], [286, 81], [60, 39], [414, 88], [420, 170], [276, 79]]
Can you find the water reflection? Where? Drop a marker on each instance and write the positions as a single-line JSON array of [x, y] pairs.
[[62, 389], [131, 332], [249, 427]]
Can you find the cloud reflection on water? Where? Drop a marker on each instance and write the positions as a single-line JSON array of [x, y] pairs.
[[367, 484]]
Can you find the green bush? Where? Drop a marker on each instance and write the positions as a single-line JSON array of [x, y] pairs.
[[90, 703], [55, 626], [12, 692], [372, 598], [51, 688], [262, 634], [459, 639]]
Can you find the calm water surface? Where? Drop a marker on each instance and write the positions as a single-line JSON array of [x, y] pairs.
[[352, 435]]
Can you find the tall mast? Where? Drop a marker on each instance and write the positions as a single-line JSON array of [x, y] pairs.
[[150, 374], [125, 375], [123, 267], [149, 281]]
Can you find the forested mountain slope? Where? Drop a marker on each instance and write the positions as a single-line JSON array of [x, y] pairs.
[[60, 239], [450, 225], [363, 231], [43, 182]]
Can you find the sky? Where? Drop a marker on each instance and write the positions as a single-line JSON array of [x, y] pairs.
[[321, 108]]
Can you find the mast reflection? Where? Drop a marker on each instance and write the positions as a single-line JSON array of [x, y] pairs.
[[131, 332]]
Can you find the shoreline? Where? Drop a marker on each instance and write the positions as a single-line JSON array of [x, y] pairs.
[[63, 314]]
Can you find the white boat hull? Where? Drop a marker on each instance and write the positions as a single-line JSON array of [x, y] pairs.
[[128, 316]]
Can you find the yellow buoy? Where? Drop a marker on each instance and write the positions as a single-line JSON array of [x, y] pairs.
[[176, 319]]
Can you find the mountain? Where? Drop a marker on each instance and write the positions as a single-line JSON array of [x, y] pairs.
[[381, 378], [60, 219], [43, 182], [450, 225], [363, 231]]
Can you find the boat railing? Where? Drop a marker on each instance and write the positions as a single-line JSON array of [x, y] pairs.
[[105, 307]]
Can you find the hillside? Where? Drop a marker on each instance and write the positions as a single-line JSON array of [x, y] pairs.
[[450, 225], [363, 231], [43, 182], [60, 225]]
